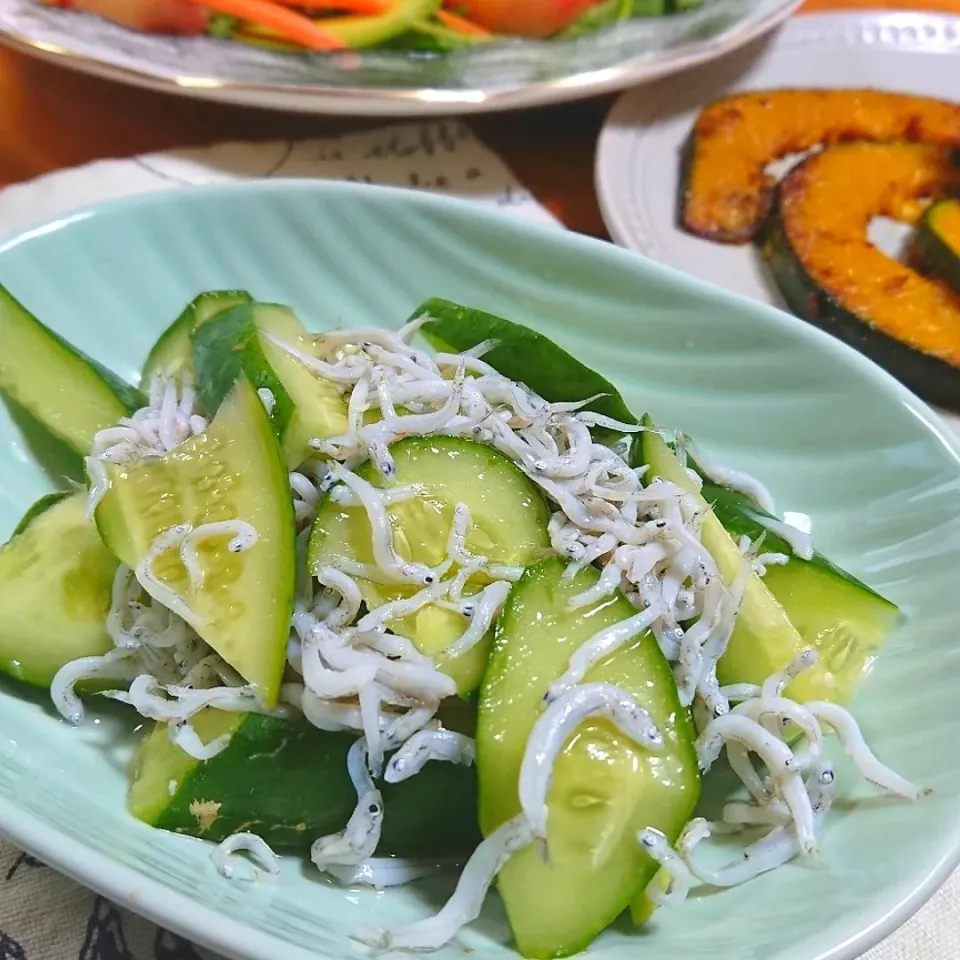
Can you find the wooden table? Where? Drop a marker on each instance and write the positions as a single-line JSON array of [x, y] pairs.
[[52, 118]]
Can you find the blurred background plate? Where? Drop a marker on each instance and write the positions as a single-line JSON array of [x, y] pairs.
[[638, 155], [515, 73]]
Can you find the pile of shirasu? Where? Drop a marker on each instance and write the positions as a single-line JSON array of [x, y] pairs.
[[348, 671], [168, 419], [172, 674]]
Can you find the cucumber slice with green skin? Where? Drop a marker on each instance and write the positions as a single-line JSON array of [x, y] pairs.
[[521, 354], [238, 340], [509, 526], [765, 639], [839, 616], [287, 782], [170, 356], [232, 471], [605, 788], [39, 507], [69, 394], [56, 578]]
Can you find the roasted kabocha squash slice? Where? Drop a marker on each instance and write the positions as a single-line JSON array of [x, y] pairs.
[[936, 247], [725, 189], [832, 275]]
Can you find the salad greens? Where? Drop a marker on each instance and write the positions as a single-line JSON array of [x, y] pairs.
[[385, 606], [437, 26]]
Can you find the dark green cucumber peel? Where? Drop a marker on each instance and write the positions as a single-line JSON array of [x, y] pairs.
[[521, 354], [62, 464], [287, 782], [228, 346], [737, 512], [129, 396], [78, 380], [38, 508], [252, 339], [171, 355]]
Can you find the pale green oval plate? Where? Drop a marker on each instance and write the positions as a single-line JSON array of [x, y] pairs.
[[833, 436]]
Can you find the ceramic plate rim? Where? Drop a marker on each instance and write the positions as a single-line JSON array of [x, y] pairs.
[[413, 102], [176, 911]]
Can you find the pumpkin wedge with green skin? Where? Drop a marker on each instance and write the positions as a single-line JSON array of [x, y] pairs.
[[830, 274], [936, 247], [725, 191]]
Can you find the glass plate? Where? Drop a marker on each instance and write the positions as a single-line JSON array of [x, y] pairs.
[[513, 73]]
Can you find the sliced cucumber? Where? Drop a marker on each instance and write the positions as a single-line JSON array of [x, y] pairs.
[[288, 783], [56, 578], [765, 638], [521, 354], [509, 526], [839, 616], [605, 788], [170, 356], [232, 471], [245, 339], [38, 507], [69, 394]]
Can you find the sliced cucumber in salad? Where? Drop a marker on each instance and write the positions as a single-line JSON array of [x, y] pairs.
[[171, 355], [71, 395], [424, 556], [55, 583], [508, 527], [836, 614], [801, 605], [287, 782], [227, 489], [605, 787], [762, 624], [522, 354], [262, 341]]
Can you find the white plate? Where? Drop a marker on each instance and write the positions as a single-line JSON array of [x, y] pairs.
[[637, 170], [476, 79]]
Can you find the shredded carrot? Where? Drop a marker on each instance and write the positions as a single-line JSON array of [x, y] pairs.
[[363, 7], [293, 26], [461, 24]]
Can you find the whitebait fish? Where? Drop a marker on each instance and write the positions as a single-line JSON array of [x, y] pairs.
[[480, 871], [224, 855], [359, 839], [427, 745], [554, 727]]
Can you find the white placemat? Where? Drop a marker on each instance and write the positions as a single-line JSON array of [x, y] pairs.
[[43, 915]]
